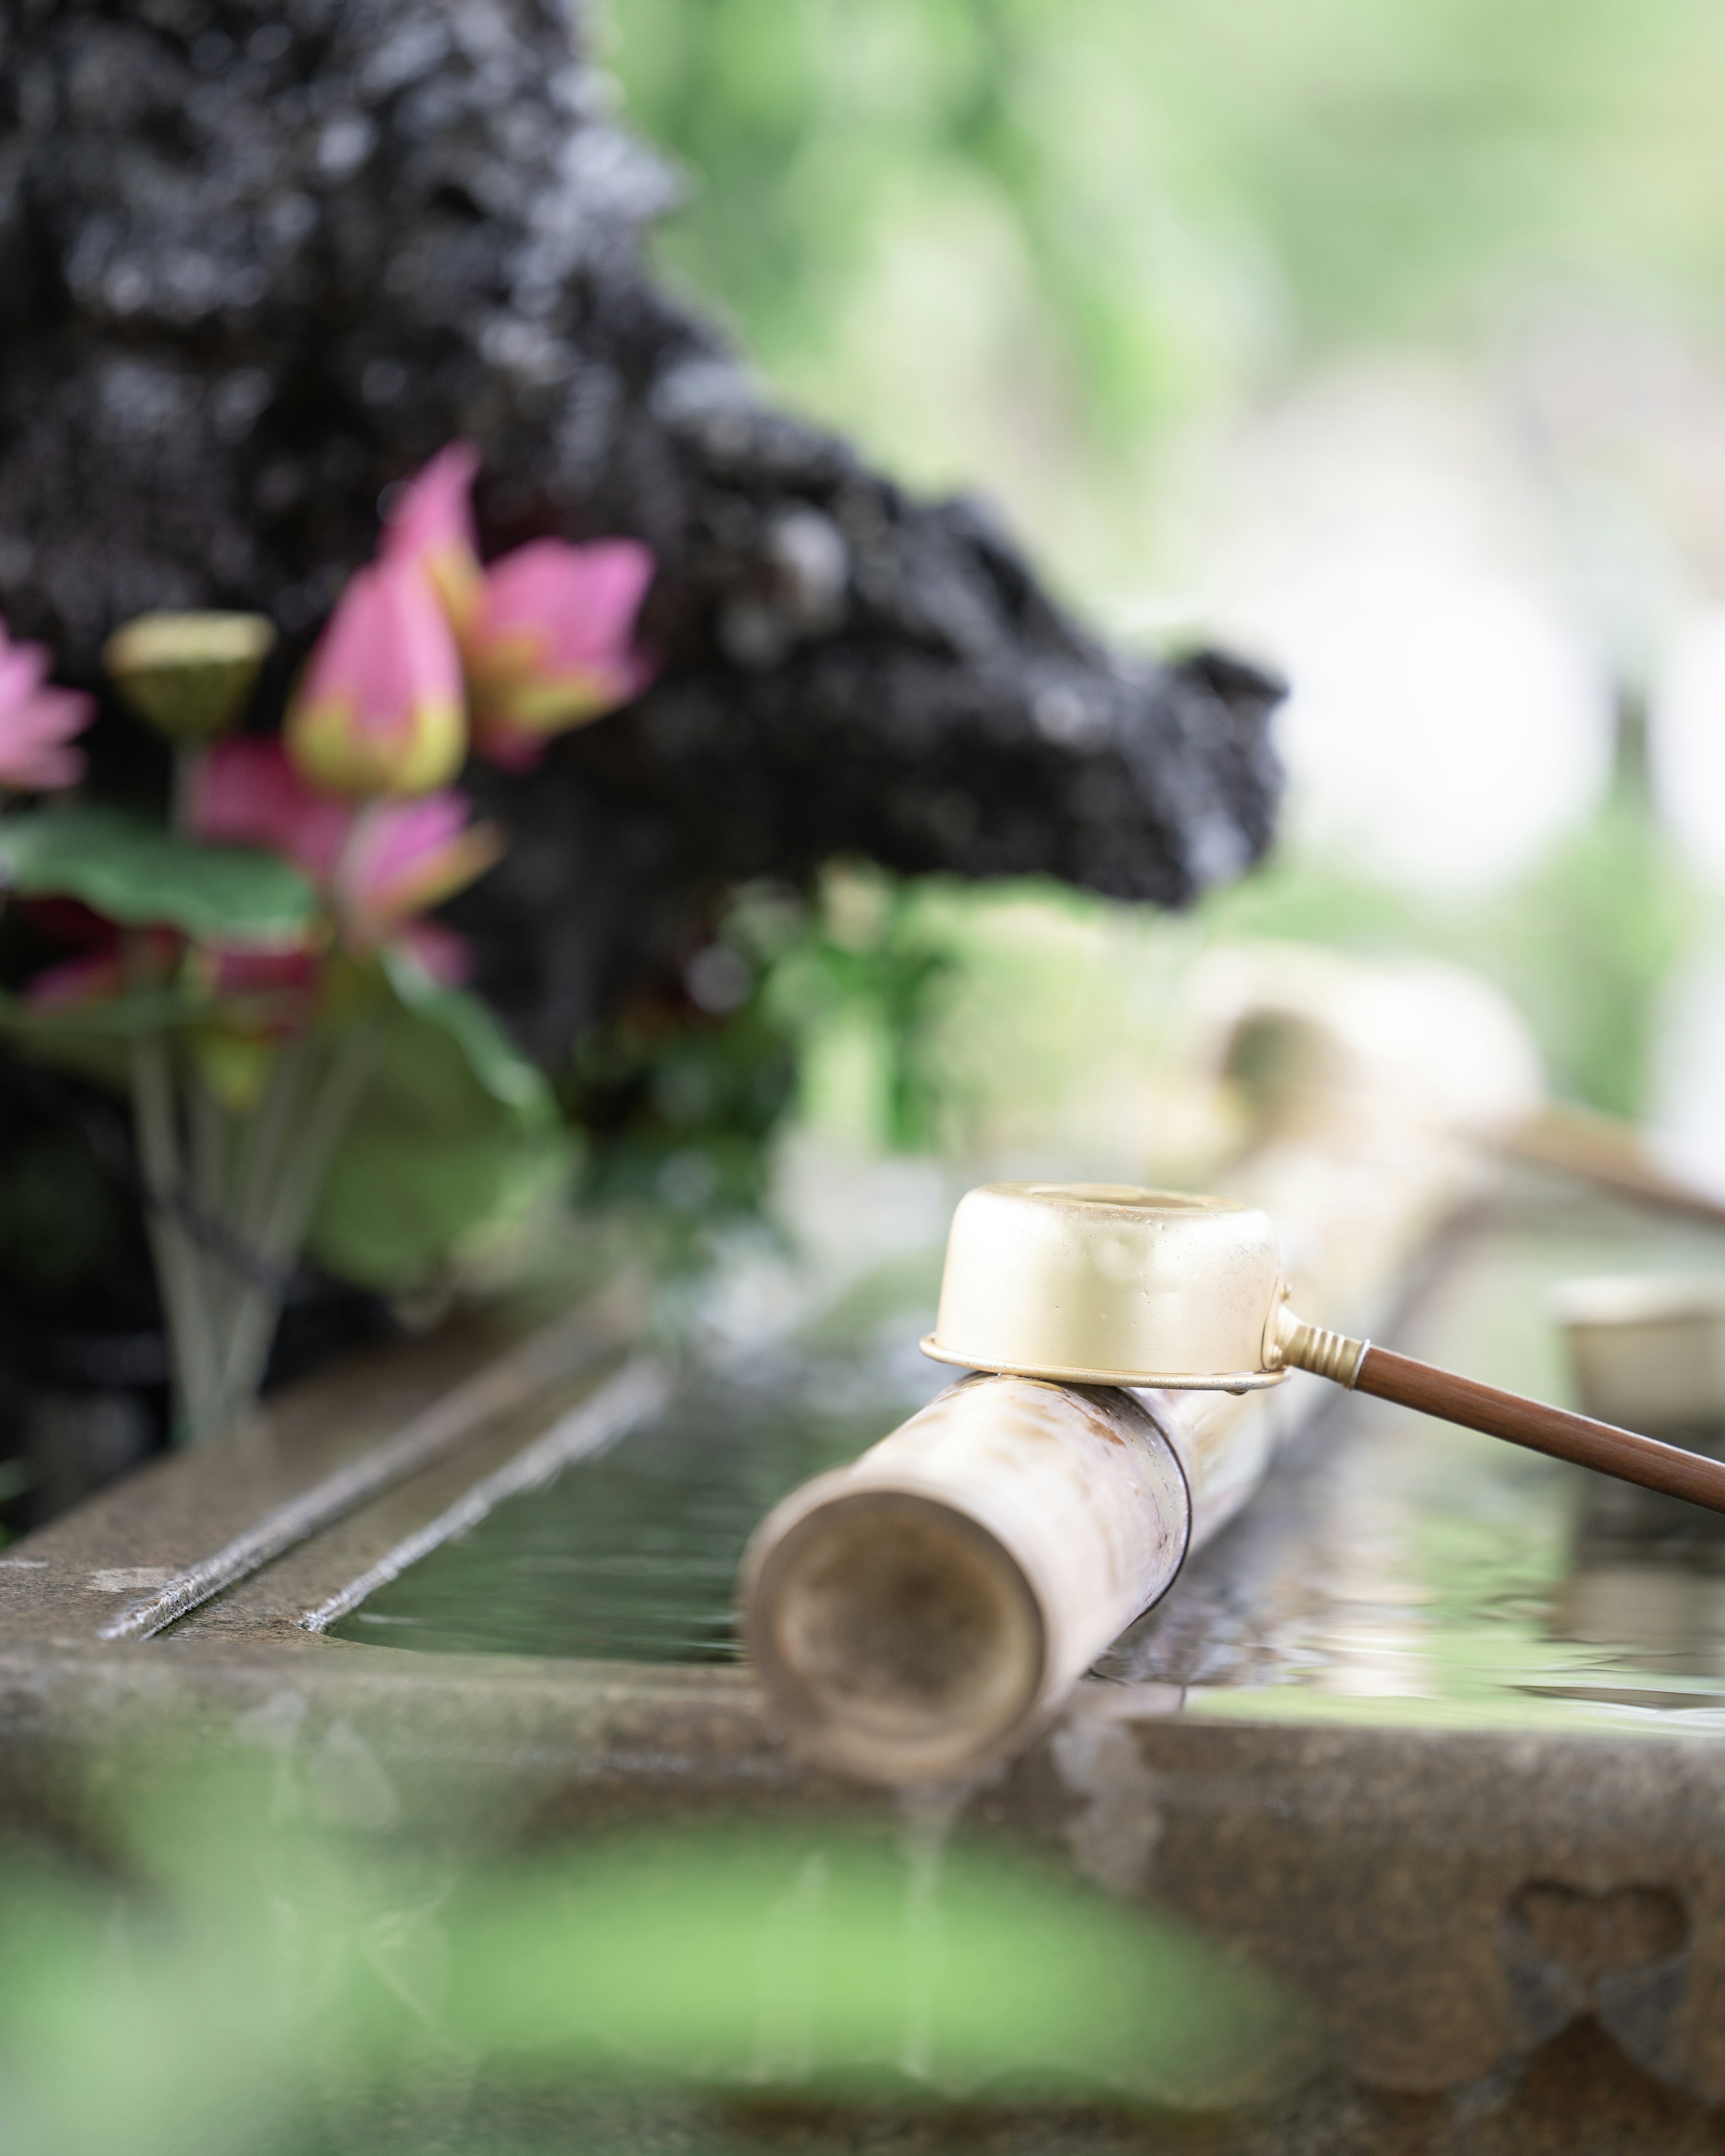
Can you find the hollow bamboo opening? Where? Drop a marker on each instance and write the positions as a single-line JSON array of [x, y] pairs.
[[897, 1636]]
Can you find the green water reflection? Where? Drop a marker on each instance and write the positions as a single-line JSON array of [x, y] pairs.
[[1430, 1575], [634, 1555]]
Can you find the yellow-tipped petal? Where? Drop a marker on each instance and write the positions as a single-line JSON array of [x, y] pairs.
[[381, 709], [332, 750]]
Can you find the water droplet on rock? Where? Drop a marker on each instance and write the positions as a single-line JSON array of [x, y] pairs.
[[344, 145]]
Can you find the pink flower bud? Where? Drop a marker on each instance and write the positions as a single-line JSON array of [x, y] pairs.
[[404, 857], [381, 709], [431, 525], [380, 863], [554, 645], [245, 793], [38, 721]]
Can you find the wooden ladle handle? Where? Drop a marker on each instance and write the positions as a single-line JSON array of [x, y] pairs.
[[1554, 1430], [1601, 1445]]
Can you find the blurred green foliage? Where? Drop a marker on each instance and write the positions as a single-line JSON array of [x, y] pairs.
[[861, 992], [677, 1108], [1044, 249], [1381, 164], [1069, 225], [833, 1007], [455, 1133], [291, 1988]]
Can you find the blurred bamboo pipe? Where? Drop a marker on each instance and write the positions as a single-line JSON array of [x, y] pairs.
[[1610, 1154]]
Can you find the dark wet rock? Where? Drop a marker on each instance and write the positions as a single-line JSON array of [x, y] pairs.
[[258, 261]]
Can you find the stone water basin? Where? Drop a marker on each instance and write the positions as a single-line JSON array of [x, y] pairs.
[[1430, 1735]]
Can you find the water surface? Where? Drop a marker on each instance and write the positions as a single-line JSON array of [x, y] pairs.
[[633, 1555], [1393, 1569], [1399, 1569]]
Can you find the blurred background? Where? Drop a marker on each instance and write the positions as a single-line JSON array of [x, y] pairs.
[[1378, 338], [1381, 341], [1382, 345]]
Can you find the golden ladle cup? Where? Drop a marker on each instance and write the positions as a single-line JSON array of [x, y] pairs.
[[1102, 1284]]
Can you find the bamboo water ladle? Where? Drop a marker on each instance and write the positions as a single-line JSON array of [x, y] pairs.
[[1103, 1285]]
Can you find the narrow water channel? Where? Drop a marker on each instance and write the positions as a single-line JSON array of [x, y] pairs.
[[633, 1556]]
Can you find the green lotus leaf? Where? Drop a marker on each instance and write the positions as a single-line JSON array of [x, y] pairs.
[[491, 1057], [455, 1130], [136, 873]]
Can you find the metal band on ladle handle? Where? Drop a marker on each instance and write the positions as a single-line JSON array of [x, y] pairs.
[[1331, 1355], [1601, 1445]]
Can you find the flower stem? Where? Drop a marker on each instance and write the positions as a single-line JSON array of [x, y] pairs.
[[283, 1206], [210, 1133], [270, 1155], [184, 1296], [271, 1130]]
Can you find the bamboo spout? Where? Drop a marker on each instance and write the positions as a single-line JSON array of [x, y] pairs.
[[898, 1621], [918, 1614]]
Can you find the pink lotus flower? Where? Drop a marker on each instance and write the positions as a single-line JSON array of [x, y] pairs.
[[553, 646], [278, 990], [245, 793], [403, 858], [431, 526], [547, 634], [38, 721], [379, 864], [381, 709]]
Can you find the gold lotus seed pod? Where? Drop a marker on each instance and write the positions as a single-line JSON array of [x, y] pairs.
[[189, 674]]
